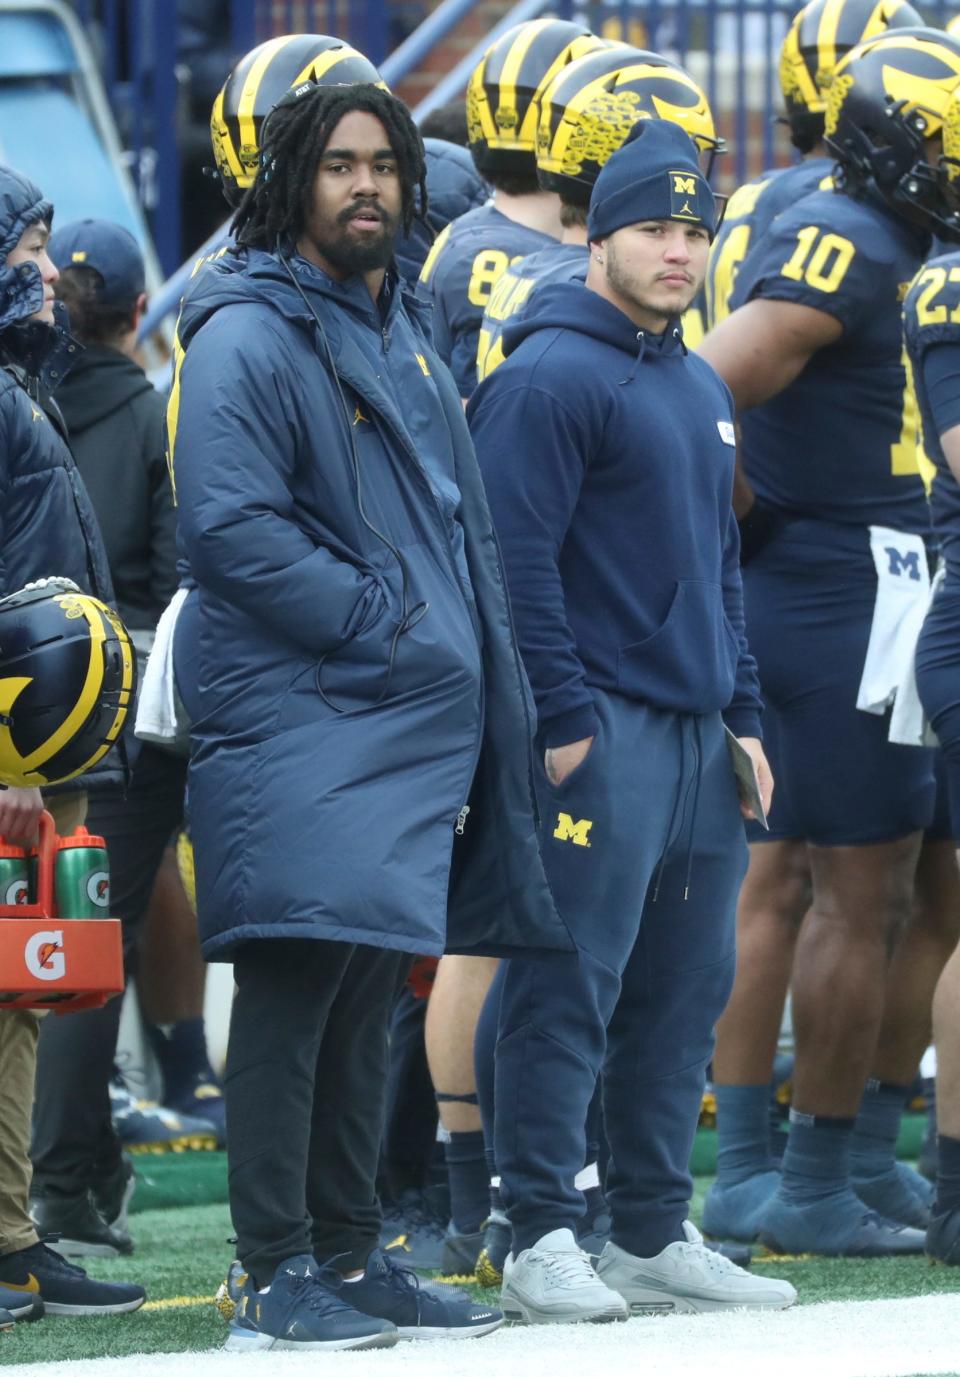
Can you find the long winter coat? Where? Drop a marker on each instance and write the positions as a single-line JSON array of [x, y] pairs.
[[340, 731]]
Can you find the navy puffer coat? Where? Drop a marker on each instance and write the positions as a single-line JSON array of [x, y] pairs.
[[317, 810]]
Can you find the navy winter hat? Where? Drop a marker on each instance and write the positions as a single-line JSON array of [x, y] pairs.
[[110, 250], [654, 175]]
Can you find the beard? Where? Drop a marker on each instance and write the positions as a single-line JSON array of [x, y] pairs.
[[350, 253], [629, 288]]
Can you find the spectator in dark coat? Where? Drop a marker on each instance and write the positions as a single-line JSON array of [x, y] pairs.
[[47, 528], [116, 426]]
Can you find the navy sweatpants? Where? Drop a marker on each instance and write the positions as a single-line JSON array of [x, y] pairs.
[[644, 848]]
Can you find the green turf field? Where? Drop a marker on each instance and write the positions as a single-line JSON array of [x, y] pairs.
[[182, 1255]]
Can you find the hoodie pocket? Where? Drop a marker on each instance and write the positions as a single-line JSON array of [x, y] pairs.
[[689, 663]]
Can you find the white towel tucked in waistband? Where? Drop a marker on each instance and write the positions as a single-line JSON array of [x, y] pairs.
[[903, 596], [159, 713]]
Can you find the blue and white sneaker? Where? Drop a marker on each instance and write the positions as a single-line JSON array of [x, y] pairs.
[[420, 1310], [301, 1311]]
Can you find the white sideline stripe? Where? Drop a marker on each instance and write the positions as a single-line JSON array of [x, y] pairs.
[[889, 1338]]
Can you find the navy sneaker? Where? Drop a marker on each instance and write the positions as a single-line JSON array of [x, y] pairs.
[[19, 1305], [943, 1239], [413, 1231], [302, 1311], [735, 1211], [838, 1226], [895, 1195], [460, 1252], [497, 1242], [420, 1310], [203, 1101], [64, 1288]]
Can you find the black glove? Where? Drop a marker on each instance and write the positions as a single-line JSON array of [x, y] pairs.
[[757, 527]]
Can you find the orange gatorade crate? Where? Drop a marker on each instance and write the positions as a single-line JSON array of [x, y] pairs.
[[48, 959]]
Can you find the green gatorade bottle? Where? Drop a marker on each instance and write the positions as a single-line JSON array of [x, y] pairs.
[[14, 876], [82, 876]]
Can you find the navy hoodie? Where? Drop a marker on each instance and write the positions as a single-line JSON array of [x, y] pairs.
[[607, 454]]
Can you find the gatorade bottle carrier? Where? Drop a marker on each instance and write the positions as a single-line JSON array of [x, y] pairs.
[[53, 960]]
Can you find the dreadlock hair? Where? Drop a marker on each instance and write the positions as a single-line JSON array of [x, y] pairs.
[[293, 139]]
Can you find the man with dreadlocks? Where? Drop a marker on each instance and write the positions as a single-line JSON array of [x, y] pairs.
[[361, 747]]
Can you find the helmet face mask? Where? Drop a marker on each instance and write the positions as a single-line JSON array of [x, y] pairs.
[[820, 35], [505, 86], [589, 109], [885, 105], [261, 79], [67, 680]]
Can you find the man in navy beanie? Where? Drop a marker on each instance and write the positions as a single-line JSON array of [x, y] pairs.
[[607, 452]]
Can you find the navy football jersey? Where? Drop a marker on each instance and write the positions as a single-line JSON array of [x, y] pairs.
[[931, 316], [458, 277], [842, 441], [555, 263], [749, 214]]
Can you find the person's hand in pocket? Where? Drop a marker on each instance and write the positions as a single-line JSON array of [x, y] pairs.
[[560, 761]]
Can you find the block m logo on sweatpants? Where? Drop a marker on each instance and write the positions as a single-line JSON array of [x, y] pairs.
[[576, 832]]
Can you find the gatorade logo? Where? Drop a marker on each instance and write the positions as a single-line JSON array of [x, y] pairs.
[[16, 892], [98, 888], [44, 956]]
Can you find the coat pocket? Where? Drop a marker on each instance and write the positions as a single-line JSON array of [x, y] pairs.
[[689, 663]]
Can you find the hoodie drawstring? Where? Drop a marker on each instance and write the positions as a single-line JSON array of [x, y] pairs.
[[680, 807], [642, 341]]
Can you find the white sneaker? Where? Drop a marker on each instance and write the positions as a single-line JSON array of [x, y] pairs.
[[554, 1283], [687, 1278]]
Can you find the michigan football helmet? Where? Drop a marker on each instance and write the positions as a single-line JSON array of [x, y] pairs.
[[255, 85], [887, 100], [502, 105], [588, 110], [67, 680], [820, 35]]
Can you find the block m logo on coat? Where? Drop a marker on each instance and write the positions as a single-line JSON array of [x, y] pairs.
[[576, 832]]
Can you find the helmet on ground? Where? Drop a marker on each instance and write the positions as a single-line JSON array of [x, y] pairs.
[[588, 110], [820, 35], [255, 85], [502, 95], [67, 680], [889, 96]]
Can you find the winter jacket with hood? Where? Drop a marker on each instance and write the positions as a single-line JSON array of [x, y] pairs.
[[47, 523], [347, 705], [608, 456], [115, 419]]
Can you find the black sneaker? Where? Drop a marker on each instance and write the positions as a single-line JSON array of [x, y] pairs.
[[19, 1305], [300, 1312], [6, 1320], [460, 1252], [63, 1288], [420, 1310], [113, 1194], [81, 1229]]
